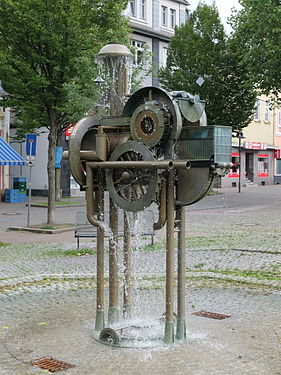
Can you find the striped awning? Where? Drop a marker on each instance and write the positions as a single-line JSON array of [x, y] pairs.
[[8, 156]]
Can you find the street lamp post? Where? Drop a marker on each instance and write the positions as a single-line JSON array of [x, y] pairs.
[[240, 136]]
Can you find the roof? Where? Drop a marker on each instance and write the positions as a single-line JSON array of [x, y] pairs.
[[8, 156], [182, 2]]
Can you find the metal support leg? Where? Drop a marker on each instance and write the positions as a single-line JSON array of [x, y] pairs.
[[100, 261], [181, 324], [127, 267], [169, 325], [113, 264]]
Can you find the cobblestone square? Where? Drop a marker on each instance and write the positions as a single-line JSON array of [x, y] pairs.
[[233, 260]]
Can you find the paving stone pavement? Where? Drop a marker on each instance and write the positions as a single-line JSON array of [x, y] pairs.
[[59, 323], [47, 298]]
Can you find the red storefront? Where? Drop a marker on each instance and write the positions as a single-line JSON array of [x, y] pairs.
[[252, 164]]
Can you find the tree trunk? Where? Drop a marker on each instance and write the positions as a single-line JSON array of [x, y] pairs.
[[58, 189], [51, 174]]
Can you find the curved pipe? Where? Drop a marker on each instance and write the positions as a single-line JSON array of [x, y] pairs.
[[90, 198], [162, 208]]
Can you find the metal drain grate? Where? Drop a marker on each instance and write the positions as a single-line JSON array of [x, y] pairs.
[[51, 364], [207, 314]]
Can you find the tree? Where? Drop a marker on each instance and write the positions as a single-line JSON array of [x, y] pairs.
[[200, 48], [47, 51], [257, 35]]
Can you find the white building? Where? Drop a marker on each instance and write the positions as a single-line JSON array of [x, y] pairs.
[[153, 23]]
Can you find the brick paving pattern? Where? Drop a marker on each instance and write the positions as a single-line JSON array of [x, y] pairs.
[[47, 298]]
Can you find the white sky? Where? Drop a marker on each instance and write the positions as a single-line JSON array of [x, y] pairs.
[[224, 7]]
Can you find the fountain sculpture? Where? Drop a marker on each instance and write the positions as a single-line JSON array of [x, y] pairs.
[[153, 146]]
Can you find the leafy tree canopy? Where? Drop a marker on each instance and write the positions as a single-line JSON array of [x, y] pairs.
[[200, 48], [47, 62], [47, 55], [257, 34]]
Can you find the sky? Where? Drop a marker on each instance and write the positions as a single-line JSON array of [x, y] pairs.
[[224, 7]]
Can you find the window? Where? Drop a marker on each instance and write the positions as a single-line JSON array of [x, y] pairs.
[[278, 166], [267, 111], [143, 9], [133, 10], [164, 57], [234, 171], [139, 49], [172, 18], [263, 165], [257, 110], [164, 15]]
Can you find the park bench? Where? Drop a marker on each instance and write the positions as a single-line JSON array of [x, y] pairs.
[[144, 227]]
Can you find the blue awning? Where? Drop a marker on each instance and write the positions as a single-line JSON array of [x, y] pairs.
[[8, 156]]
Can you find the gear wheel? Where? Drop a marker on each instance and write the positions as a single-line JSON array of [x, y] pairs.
[[132, 189], [150, 124]]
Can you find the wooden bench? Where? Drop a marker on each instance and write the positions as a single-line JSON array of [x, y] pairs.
[[83, 229]]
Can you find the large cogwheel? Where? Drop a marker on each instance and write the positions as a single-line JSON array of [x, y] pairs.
[[132, 189]]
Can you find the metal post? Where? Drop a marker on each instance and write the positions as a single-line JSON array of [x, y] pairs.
[[169, 325], [113, 264], [239, 177], [29, 197], [181, 324], [100, 257], [127, 267]]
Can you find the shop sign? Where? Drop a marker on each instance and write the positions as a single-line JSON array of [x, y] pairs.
[[277, 154], [233, 174], [255, 145], [68, 131]]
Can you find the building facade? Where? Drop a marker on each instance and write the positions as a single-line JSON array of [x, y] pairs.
[[257, 160], [153, 23]]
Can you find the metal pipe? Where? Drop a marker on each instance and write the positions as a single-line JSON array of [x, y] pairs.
[[88, 155], [100, 256], [84, 155], [162, 207], [182, 164], [113, 264], [161, 164], [65, 155], [90, 198], [181, 325], [127, 267], [169, 325]]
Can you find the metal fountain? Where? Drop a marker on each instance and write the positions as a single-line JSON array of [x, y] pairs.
[[152, 146]]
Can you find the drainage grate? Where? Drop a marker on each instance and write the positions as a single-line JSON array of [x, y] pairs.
[[51, 364], [207, 314]]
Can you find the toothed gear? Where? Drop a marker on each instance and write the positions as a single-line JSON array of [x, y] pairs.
[[132, 189], [150, 124]]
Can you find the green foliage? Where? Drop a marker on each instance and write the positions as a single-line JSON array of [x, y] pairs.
[[47, 51], [47, 63], [141, 69], [257, 35], [58, 253], [2, 244], [201, 48]]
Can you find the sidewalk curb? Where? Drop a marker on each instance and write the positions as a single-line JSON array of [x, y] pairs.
[[58, 206], [39, 230]]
